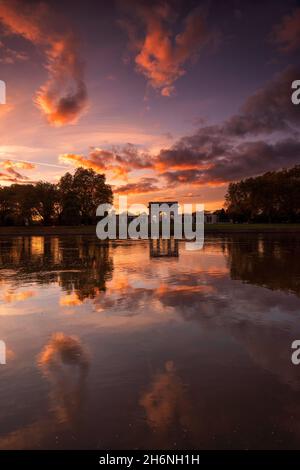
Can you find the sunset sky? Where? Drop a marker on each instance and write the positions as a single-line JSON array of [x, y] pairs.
[[171, 101]]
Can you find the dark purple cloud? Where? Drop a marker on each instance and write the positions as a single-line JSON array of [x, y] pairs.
[[246, 159], [287, 34], [221, 153]]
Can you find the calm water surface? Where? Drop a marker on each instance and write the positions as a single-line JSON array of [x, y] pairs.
[[115, 346]]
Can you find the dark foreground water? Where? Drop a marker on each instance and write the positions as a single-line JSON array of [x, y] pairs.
[[119, 347]]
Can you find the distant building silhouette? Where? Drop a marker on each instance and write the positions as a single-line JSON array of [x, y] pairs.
[[210, 217]]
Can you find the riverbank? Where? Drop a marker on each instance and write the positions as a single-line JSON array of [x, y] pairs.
[[91, 230]]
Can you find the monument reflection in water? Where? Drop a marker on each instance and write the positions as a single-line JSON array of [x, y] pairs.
[[160, 248]]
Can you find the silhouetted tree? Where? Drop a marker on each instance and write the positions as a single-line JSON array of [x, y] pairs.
[[222, 215], [7, 206], [72, 201], [46, 200], [81, 194], [17, 204], [272, 197]]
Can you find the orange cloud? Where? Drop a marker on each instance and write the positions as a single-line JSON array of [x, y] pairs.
[[162, 55], [12, 174], [119, 161], [63, 97], [184, 164], [81, 160], [9, 164], [98, 163]]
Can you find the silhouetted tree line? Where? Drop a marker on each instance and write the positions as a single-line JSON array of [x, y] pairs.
[[72, 201], [271, 197]]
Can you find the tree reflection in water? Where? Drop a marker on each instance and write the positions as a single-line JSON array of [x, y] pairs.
[[267, 261], [80, 265]]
